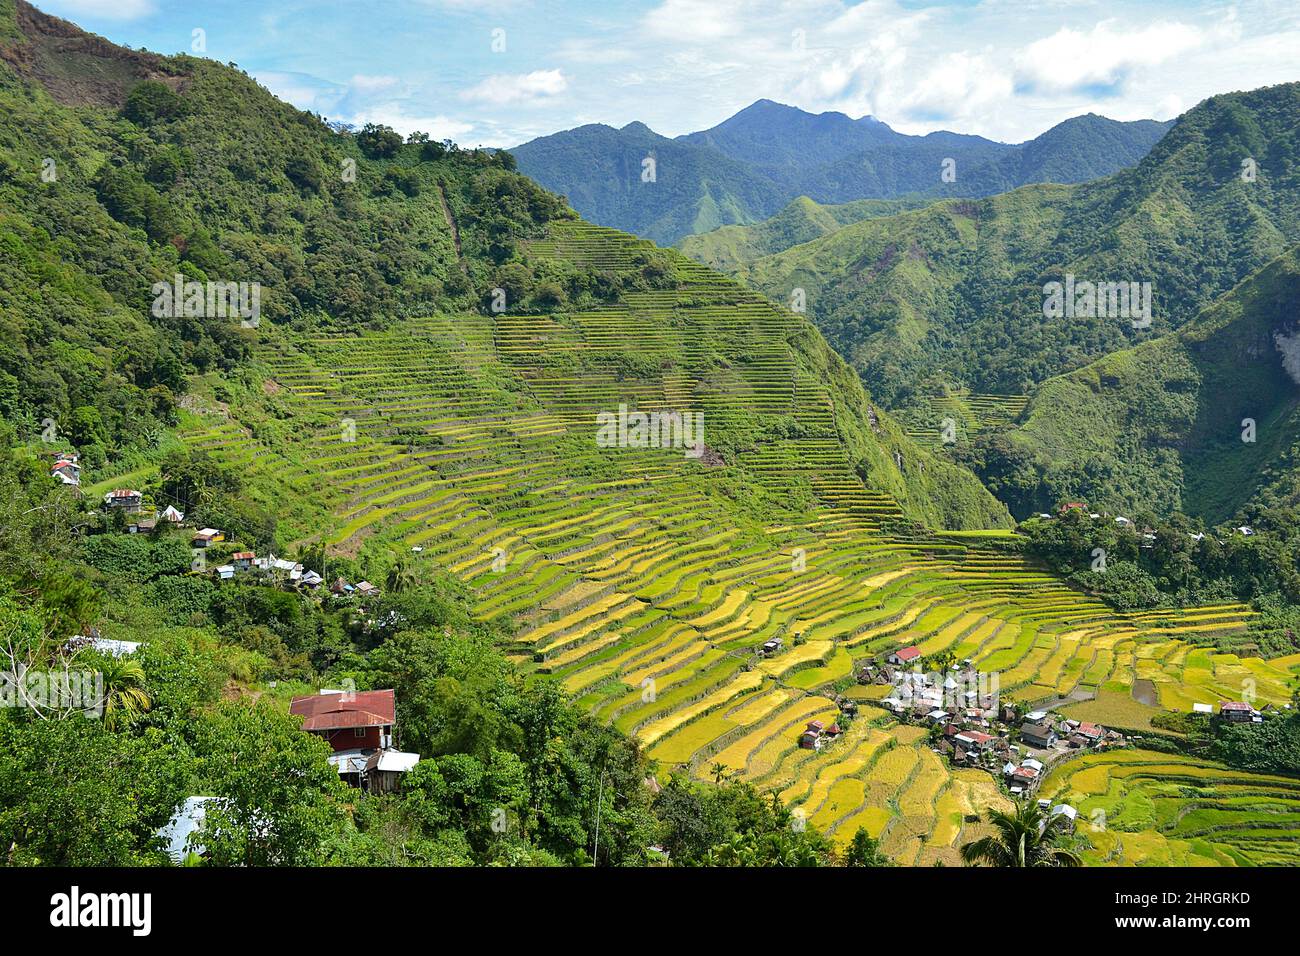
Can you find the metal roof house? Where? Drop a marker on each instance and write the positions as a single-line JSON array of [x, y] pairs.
[[360, 728]]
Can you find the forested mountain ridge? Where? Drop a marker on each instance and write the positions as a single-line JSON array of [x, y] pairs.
[[745, 169], [953, 294], [802, 220], [1200, 421], [348, 231], [1083, 148]]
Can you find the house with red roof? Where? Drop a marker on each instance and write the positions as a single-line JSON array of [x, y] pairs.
[[1236, 711], [975, 740], [349, 720], [904, 656], [1092, 733], [359, 727]]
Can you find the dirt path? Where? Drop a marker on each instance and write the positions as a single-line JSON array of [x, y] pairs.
[[451, 224]]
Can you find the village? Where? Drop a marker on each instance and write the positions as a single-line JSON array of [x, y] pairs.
[[213, 554], [966, 720], [972, 727]]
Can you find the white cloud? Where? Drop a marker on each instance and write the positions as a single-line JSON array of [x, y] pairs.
[[698, 20], [506, 88], [1102, 57], [438, 127], [958, 86], [362, 84]]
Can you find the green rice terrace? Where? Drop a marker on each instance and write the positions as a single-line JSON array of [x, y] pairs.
[[644, 579], [968, 412], [1144, 808]]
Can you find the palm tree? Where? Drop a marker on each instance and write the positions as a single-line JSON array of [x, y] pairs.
[[401, 576], [1025, 838], [124, 698]]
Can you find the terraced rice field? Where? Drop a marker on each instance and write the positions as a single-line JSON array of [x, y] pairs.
[[1144, 808], [968, 412], [642, 580]]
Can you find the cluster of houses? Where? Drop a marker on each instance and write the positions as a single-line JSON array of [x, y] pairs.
[[130, 503], [1148, 534], [816, 734], [931, 696], [974, 729], [267, 569]]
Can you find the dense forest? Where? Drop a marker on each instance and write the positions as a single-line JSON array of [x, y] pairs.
[[952, 295]]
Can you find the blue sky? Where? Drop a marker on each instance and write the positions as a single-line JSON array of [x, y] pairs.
[[498, 72]]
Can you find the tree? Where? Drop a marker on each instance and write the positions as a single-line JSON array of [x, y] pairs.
[[1025, 837], [401, 576], [864, 850], [378, 141], [73, 793], [152, 101], [279, 799], [124, 695]]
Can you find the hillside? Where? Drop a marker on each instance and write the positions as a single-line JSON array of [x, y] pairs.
[[1160, 426], [163, 187], [952, 295], [801, 221], [570, 617], [745, 169]]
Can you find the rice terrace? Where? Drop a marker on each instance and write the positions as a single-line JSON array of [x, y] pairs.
[[624, 570], [520, 441]]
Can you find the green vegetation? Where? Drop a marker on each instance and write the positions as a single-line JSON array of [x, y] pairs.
[[1026, 837], [1202, 421], [1143, 808], [801, 221], [951, 295], [570, 627], [748, 167]]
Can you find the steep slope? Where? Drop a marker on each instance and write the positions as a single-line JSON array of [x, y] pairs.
[[800, 221], [954, 294], [1077, 150], [219, 181], [746, 168], [1166, 426], [398, 422], [604, 174]]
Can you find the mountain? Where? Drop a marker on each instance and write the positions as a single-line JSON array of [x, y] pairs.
[[440, 396], [1167, 425], [801, 221], [775, 136], [602, 172], [745, 169], [952, 295], [183, 165]]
